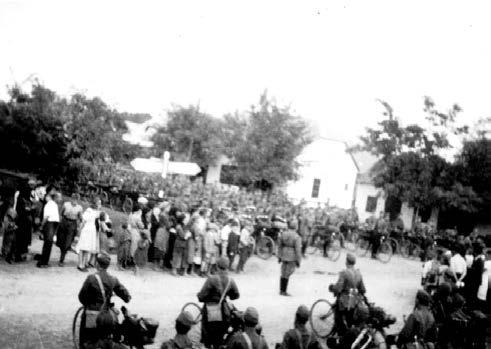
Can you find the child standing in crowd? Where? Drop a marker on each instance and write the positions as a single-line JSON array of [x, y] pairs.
[[210, 249], [160, 243], [124, 248], [141, 253]]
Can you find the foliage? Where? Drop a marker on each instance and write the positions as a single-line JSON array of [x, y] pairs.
[[265, 145], [54, 137], [190, 135], [32, 137], [411, 167]]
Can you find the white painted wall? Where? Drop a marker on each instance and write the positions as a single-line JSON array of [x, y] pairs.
[[363, 191], [328, 161]]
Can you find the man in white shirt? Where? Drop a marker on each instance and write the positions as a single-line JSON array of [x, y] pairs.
[[458, 266], [246, 245], [51, 220]]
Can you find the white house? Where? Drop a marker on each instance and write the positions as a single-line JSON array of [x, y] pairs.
[[327, 175], [370, 200]]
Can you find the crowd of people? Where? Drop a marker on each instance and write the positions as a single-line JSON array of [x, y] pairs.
[[188, 236]]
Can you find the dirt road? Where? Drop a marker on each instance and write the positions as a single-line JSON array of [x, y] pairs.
[[39, 304]]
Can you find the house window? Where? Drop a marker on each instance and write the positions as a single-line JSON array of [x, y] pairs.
[[371, 204], [315, 188]]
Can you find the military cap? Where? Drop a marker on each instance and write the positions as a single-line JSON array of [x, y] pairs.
[[423, 298], [103, 259], [303, 313], [223, 263], [350, 259], [186, 319], [251, 316]]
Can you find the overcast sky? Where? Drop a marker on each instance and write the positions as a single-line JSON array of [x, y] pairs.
[[329, 60]]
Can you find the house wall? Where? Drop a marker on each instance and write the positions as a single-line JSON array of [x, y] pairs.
[[329, 162], [363, 191]]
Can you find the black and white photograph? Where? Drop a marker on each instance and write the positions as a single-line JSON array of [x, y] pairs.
[[275, 174]]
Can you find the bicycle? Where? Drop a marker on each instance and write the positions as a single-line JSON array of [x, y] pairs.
[[265, 246], [384, 251], [330, 245], [236, 323], [133, 331]]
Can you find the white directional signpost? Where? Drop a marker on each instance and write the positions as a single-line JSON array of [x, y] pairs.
[[164, 166]]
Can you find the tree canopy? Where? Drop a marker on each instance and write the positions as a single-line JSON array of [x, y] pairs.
[[411, 167]]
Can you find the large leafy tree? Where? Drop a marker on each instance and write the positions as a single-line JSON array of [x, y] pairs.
[[265, 143], [32, 137], [411, 167], [45, 134], [190, 135]]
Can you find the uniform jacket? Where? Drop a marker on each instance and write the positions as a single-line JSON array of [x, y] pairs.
[[289, 246], [212, 289], [349, 279], [238, 341], [297, 338], [90, 294], [420, 323], [180, 341]]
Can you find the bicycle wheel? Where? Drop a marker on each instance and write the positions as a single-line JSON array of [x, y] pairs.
[[76, 327], [350, 242], [384, 253], [416, 251], [322, 318], [104, 198], [196, 313], [394, 244], [334, 250], [265, 247], [362, 246], [312, 246], [127, 205], [404, 247]]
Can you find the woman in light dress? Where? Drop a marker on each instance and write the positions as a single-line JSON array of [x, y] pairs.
[[88, 244], [135, 226]]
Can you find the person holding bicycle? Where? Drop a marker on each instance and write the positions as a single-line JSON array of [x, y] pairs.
[[216, 312], [95, 294], [350, 294]]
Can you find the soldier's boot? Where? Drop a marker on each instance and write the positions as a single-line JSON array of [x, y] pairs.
[[286, 287], [283, 286]]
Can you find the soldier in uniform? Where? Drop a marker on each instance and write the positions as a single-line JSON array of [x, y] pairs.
[[184, 322], [420, 325], [249, 338], [300, 336], [289, 254], [92, 296], [214, 293], [349, 291]]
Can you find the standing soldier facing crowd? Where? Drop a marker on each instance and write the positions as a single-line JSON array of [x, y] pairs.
[[289, 254]]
